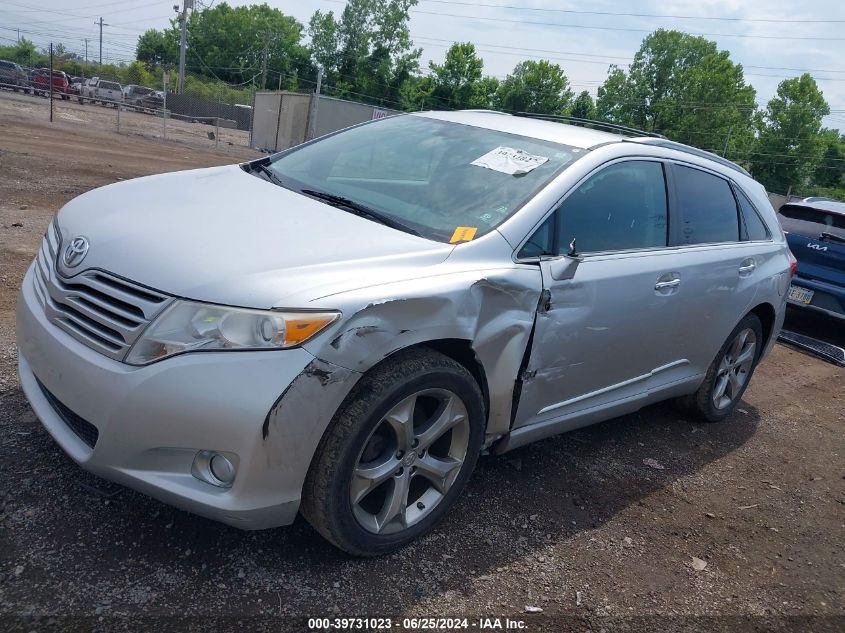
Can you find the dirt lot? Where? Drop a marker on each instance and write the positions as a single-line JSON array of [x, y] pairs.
[[578, 525], [105, 118]]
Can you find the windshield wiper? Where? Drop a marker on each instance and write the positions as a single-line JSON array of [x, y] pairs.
[[359, 209], [830, 237], [262, 167]]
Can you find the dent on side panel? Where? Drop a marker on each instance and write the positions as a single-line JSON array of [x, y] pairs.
[[299, 418], [493, 310]]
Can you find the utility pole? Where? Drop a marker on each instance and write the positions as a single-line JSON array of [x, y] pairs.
[[183, 40], [101, 24], [86, 50], [264, 55], [312, 120]]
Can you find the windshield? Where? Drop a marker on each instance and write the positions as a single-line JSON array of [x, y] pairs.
[[438, 178]]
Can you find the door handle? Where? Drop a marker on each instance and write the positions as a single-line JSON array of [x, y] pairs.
[[747, 267], [662, 285]]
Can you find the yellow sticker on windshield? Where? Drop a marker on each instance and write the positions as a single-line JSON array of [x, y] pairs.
[[463, 234]]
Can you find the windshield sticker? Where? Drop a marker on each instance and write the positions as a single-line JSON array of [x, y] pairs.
[[510, 161], [463, 234]]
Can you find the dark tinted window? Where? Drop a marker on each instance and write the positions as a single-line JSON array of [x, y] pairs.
[[752, 226], [621, 207], [540, 242], [812, 222], [707, 206]]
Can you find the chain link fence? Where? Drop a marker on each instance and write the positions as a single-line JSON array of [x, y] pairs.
[[208, 115]]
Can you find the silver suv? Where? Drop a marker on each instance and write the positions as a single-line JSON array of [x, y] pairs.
[[341, 329]]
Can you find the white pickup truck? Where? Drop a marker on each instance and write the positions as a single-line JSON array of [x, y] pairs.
[[96, 89]]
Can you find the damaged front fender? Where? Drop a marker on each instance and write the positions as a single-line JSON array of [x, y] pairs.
[[493, 310]]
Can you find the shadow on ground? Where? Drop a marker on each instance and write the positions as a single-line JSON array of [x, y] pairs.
[[71, 543]]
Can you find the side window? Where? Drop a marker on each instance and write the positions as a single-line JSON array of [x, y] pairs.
[[621, 207], [540, 243], [752, 227], [707, 207]]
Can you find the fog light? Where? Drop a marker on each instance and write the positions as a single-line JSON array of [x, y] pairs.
[[215, 468], [222, 469]]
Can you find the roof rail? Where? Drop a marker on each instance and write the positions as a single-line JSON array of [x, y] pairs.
[[666, 143], [602, 125]]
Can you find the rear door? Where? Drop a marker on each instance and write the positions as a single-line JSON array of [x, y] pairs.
[[721, 267]]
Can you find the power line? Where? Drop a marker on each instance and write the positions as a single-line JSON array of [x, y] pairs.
[[618, 28], [626, 59], [635, 15]]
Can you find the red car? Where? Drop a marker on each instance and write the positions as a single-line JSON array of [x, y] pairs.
[[61, 82]]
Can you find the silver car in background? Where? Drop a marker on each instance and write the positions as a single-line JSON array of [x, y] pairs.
[[341, 329]]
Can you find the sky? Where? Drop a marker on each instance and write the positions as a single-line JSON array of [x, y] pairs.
[[772, 39]]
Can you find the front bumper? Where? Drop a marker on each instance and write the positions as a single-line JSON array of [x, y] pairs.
[[151, 421]]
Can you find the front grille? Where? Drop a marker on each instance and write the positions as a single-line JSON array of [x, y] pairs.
[[83, 429], [98, 309]]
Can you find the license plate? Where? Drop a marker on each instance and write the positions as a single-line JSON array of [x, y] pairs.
[[800, 295]]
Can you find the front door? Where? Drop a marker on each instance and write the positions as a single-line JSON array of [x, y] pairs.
[[600, 334]]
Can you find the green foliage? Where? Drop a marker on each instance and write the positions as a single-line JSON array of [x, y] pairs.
[[234, 45], [158, 48], [791, 141], [684, 87], [583, 106], [367, 53], [24, 53], [830, 172], [535, 86], [457, 82]]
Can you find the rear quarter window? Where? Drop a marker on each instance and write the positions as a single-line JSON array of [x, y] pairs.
[[752, 227]]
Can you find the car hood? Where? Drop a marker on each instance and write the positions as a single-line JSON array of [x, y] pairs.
[[225, 236]]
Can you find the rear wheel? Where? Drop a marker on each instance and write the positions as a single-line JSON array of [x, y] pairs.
[[397, 454], [729, 374]]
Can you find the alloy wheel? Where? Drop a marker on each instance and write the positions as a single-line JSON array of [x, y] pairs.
[[410, 461], [734, 369]]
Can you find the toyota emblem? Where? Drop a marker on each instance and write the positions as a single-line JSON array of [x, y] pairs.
[[75, 252]]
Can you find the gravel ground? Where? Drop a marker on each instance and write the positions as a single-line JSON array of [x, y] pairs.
[[646, 522]]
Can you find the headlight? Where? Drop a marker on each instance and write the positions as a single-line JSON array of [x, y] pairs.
[[187, 326]]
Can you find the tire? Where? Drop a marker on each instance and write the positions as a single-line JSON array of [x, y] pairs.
[[730, 372], [366, 464]]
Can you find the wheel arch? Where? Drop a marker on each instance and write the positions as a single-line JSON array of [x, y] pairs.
[[768, 317]]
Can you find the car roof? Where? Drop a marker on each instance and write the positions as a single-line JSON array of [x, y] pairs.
[[828, 206], [552, 131]]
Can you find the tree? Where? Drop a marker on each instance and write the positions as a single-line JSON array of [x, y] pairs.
[[535, 86], [682, 86], [583, 106], [158, 48], [791, 141], [234, 45], [830, 171], [367, 53], [457, 80]]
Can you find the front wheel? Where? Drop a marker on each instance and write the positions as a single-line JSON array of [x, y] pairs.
[[397, 454], [729, 374]]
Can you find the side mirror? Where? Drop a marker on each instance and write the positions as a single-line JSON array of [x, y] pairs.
[[563, 268]]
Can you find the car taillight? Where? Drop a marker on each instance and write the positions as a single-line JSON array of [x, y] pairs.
[[793, 265]]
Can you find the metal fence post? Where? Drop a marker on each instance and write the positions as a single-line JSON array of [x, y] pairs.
[[164, 107], [51, 82], [119, 107]]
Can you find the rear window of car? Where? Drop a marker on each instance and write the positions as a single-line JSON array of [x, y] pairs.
[[815, 220], [707, 207], [108, 85]]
